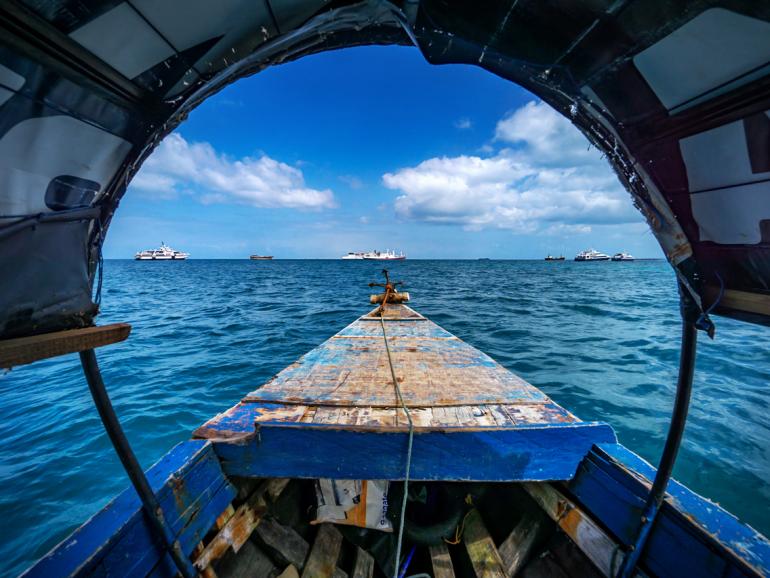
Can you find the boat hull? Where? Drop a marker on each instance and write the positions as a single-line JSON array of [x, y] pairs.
[[334, 415]]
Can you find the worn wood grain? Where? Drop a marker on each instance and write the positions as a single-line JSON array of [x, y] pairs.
[[481, 549], [595, 543], [518, 547], [250, 562], [284, 540], [236, 530], [441, 562], [322, 562], [22, 350], [364, 564]]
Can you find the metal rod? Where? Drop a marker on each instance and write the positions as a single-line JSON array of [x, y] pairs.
[[673, 441], [130, 463]]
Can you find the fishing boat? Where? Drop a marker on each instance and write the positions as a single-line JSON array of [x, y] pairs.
[[591, 255], [260, 257], [622, 257], [452, 443], [164, 253], [384, 256], [552, 258]]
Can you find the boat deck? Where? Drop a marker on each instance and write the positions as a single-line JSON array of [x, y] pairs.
[[450, 387]]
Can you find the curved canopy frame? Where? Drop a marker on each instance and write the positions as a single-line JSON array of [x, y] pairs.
[[677, 96]]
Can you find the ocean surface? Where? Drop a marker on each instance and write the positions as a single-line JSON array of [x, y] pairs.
[[602, 339]]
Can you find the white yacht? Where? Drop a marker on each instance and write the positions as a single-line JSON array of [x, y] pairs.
[[384, 256], [591, 255], [622, 257], [165, 253], [354, 255]]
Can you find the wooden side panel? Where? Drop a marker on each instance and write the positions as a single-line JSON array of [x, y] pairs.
[[119, 541], [527, 453], [691, 537]]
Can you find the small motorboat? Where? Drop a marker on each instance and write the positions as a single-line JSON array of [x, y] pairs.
[[622, 257]]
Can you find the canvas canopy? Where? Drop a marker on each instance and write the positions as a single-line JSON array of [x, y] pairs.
[[676, 94]]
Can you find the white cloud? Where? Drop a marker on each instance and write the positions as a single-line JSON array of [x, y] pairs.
[[546, 180], [364, 220], [463, 123], [197, 168]]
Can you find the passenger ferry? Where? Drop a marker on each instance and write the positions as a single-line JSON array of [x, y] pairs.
[[591, 255], [354, 255], [384, 256], [622, 257], [165, 253]]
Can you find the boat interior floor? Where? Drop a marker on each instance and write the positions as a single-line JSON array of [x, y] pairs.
[[451, 530]]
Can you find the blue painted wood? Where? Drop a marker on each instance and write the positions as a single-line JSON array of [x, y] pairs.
[[691, 536], [119, 541], [534, 453]]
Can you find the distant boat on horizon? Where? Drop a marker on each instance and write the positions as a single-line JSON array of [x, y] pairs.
[[376, 256], [591, 255], [552, 258], [622, 257], [260, 257], [165, 253]]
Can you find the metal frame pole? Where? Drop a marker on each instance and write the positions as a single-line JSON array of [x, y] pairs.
[[130, 463], [674, 438]]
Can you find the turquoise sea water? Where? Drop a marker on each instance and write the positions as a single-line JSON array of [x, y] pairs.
[[602, 339]]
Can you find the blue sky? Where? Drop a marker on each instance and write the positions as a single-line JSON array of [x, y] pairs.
[[373, 148]]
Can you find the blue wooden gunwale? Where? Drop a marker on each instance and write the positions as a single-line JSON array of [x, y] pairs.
[[120, 541], [692, 535]]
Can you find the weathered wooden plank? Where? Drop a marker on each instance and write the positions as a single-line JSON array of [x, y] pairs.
[[237, 530], [518, 547], [364, 564], [432, 372], [284, 540], [595, 543], [119, 540], [322, 562], [289, 572], [545, 566], [22, 350], [480, 547], [249, 562], [441, 562], [532, 453]]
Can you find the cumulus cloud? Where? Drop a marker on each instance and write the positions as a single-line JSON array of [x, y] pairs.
[[545, 180], [181, 166]]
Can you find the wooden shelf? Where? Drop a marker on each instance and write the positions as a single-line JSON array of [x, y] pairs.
[[23, 350]]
